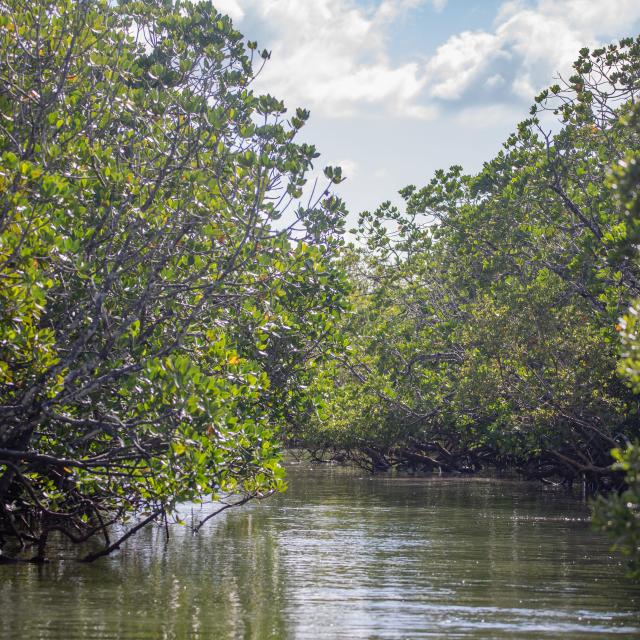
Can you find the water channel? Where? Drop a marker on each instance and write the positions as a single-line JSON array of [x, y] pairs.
[[344, 555]]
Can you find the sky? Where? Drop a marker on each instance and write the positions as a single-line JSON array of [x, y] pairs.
[[400, 88]]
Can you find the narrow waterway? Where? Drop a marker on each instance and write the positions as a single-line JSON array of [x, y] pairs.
[[344, 555]]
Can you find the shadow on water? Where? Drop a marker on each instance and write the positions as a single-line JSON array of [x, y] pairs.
[[343, 555]]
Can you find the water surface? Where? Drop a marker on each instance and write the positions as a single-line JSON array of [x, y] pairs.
[[344, 555]]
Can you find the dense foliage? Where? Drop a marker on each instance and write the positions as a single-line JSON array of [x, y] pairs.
[[171, 310], [484, 314], [618, 513], [157, 318]]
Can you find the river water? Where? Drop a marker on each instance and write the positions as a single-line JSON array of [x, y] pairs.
[[344, 555]]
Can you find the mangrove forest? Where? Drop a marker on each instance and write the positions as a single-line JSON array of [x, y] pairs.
[[185, 305]]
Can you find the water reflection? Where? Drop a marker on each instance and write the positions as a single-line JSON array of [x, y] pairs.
[[344, 556]]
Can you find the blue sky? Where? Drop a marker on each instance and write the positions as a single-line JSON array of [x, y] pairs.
[[399, 88]]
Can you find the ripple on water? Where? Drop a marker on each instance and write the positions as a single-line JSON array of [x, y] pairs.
[[344, 556]]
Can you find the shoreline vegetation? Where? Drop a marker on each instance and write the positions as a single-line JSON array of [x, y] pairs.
[[177, 305]]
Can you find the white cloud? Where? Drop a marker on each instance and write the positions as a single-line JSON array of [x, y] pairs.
[[332, 55], [496, 80], [458, 62], [231, 8], [593, 15], [530, 43], [349, 167]]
